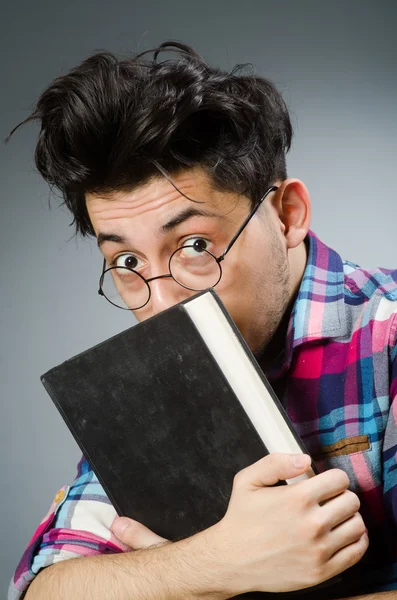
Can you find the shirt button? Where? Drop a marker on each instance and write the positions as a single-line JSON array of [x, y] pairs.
[[60, 496]]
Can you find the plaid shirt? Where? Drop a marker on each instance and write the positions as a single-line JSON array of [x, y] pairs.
[[338, 383]]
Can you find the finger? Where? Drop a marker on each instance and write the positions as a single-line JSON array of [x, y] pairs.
[[348, 556], [340, 508], [271, 469], [134, 534], [326, 485], [346, 533]]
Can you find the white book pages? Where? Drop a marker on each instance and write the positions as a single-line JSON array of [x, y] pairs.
[[242, 376]]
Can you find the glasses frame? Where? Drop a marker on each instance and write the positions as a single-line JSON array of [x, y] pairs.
[[218, 259]]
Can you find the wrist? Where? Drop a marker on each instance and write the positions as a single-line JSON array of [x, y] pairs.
[[210, 557], [199, 566]]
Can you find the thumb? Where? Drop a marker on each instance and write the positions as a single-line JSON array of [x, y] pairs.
[[273, 468], [134, 534]]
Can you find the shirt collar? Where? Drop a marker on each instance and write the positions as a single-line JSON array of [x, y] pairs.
[[319, 309]]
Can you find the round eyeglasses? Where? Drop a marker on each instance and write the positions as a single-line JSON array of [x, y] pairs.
[[192, 266]]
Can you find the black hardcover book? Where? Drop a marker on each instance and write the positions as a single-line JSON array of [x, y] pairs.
[[168, 411], [159, 421]]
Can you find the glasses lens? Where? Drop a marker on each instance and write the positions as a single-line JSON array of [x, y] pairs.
[[125, 288], [195, 268]]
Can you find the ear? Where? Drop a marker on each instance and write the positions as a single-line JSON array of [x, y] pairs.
[[292, 202]]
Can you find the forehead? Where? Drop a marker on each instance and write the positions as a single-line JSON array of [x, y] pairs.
[[153, 203]]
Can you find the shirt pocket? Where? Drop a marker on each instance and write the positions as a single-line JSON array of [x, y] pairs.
[[358, 457]]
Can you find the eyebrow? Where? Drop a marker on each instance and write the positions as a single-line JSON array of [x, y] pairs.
[[184, 215], [166, 228], [110, 237]]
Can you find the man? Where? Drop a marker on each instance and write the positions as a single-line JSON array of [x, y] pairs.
[[153, 156]]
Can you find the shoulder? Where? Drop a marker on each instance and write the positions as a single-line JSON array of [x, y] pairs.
[[371, 298], [366, 284], [77, 524]]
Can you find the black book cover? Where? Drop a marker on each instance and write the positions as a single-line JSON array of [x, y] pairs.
[[159, 424]]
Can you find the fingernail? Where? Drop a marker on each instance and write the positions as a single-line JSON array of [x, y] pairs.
[[300, 460], [119, 526]]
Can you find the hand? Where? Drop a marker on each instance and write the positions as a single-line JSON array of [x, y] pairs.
[[284, 538], [135, 535]]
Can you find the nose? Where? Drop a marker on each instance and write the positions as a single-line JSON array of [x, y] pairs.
[[166, 292]]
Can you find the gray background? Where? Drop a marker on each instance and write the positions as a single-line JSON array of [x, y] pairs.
[[336, 65]]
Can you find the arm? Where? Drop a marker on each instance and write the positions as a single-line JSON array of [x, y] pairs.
[[321, 535], [173, 571], [390, 453]]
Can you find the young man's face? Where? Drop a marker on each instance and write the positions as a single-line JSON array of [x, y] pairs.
[[256, 284]]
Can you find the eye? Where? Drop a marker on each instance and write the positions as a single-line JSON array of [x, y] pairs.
[[127, 260], [196, 246]]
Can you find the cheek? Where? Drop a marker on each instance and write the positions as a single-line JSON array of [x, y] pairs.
[[250, 287], [237, 291], [243, 272]]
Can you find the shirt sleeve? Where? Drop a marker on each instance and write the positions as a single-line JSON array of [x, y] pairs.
[[390, 465], [77, 524], [390, 439]]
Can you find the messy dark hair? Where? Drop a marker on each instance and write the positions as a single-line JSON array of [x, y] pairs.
[[112, 124]]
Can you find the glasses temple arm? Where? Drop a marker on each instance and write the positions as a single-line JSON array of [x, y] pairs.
[[100, 279], [247, 220]]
